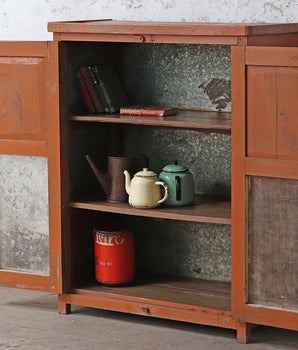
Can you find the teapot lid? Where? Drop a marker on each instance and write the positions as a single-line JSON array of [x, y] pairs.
[[145, 173], [174, 168]]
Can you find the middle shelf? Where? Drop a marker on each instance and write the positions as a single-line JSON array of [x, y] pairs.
[[207, 210]]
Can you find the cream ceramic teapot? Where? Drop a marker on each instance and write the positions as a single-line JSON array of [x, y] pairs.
[[144, 189]]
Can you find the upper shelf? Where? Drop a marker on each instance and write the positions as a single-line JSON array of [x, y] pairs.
[[184, 119], [173, 32]]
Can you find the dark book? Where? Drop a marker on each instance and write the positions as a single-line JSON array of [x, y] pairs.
[[111, 88], [85, 94], [143, 110], [91, 89], [102, 91]]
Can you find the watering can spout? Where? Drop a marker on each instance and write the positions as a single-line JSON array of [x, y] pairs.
[[104, 179]]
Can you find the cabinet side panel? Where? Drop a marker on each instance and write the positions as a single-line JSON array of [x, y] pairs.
[[272, 242], [261, 112]]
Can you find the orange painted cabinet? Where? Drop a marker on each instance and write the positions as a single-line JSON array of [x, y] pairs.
[[266, 187], [42, 115]]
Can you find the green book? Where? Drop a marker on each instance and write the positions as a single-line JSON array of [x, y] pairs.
[[110, 87], [102, 92]]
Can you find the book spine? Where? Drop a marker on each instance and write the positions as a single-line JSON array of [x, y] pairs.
[[85, 94], [141, 111], [91, 89], [103, 91]]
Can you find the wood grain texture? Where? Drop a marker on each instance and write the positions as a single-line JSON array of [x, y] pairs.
[[238, 182], [163, 310], [25, 281], [261, 111], [170, 28], [274, 317], [147, 38], [287, 169], [244, 332], [24, 147], [54, 163], [163, 289], [23, 98], [272, 56], [29, 125], [272, 104], [287, 113], [171, 32], [184, 119], [272, 230], [187, 300], [212, 211], [285, 39]]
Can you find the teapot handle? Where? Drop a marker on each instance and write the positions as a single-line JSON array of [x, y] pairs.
[[166, 191]]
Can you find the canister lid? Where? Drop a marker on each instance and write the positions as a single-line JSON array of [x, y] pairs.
[[174, 168], [145, 173], [111, 230]]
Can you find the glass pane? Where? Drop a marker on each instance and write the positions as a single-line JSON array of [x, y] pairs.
[[24, 216]]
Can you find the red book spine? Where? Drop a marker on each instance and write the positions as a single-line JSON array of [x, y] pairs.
[[142, 111], [91, 89], [85, 93]]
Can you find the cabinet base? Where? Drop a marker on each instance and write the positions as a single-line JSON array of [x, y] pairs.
[[63, 307], [244, 332]]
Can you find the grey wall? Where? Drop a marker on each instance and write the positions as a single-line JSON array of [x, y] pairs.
[[27, 20]]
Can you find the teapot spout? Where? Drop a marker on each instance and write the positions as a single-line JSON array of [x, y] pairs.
[[103, 179], [127, 181]]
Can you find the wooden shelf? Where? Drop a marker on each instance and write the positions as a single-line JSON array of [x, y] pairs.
[[204, 210], [182, 292], [183, 119]]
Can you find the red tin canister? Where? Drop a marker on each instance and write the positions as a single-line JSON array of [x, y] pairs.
[[114, 255]]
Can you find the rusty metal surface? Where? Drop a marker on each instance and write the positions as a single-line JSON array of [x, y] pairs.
[[185, 76], [183, 249], [24, 221], [208, 156]]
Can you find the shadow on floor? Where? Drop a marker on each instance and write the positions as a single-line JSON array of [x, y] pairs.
[[280, 338]]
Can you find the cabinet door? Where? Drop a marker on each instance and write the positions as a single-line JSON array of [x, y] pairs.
[[265, 186], [30, 209]]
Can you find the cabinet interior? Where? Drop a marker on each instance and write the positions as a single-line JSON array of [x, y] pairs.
[[181, 253]]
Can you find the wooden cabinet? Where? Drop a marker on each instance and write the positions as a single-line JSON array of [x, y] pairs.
[[263, 124]]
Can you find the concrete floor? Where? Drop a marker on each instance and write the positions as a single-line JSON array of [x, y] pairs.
[[29, 320]]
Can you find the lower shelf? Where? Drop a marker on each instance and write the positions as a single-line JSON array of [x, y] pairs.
[[188, 300], [185, 291]]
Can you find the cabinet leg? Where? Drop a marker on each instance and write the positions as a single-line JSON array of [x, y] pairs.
[[244, 332], [63, 307]]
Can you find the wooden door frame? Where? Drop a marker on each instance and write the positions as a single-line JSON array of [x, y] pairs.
[[243, 166], [49, 148]]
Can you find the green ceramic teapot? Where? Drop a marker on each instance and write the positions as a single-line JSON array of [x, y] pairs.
[[180, 184]]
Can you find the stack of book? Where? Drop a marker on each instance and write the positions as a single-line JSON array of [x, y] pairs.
[[101, 89]]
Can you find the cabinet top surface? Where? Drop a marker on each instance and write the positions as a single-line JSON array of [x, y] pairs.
[[170, 28]]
